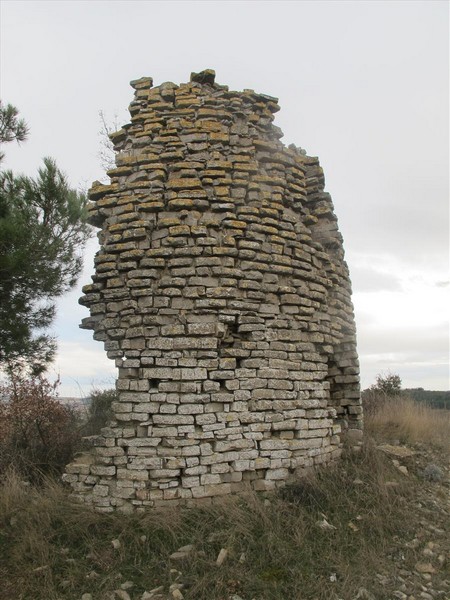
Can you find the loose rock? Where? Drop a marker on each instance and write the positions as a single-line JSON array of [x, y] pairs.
[[222, 556]]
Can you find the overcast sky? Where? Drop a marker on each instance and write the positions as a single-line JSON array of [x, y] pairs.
[[362, 85]]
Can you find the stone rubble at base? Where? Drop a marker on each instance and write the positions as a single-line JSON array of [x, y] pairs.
[[221, 291]]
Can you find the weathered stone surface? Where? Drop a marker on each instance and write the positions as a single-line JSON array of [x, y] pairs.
[[222, 293]]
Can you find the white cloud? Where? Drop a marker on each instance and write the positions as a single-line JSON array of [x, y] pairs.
[[432, 374], [404, 329]]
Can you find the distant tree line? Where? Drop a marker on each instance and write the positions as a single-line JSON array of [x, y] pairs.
[[390, 386], [435, 399]]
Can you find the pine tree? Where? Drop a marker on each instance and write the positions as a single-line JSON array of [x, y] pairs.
[[11, 128], [42, 234]]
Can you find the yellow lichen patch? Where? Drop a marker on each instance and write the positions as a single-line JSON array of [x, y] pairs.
[[134, 254], [321, 211], [154, 206], [101, 190], [139, 185], [221, 190], [123, 159], [153, 159], [180, 203], [206, 125], [235, 224], [184, 183], [180, 230], [117, 227], [168, 221], [219, 137], [271, 180], [219, 164], [138, 233], [250, 166], [197, 230], [119, 171], [217, 113], [187, 101], [213, 173]]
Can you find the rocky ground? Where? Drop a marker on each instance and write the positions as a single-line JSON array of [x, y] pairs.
[[415, 566], [419, 564], [374, 528]]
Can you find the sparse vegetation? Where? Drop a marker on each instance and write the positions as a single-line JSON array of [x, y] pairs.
[[348, 528], [99, 411], [277, 548], [38, 434], [402, 418]]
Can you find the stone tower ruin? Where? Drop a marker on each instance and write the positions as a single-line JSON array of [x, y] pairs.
[[221, 291]]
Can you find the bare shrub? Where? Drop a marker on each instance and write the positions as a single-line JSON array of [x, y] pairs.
[[37, 433]]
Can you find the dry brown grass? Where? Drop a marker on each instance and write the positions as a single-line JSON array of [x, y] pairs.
[[52, 549], [402, 418]]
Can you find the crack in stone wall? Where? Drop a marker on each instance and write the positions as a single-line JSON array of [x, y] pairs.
[[221, 291]]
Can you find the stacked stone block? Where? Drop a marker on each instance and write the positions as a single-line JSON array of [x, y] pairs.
[[221, 291]]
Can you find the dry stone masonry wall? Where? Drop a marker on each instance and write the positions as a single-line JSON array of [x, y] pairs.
[[221, 291]]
